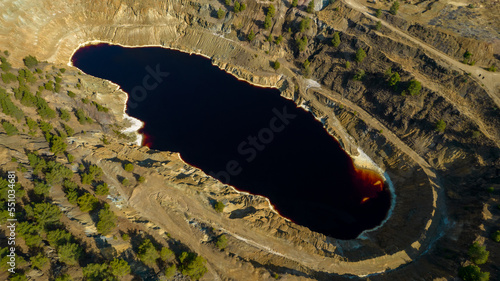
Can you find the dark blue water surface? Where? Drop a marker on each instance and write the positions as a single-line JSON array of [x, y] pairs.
[[246, 136]]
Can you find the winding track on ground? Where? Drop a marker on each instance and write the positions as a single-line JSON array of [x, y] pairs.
[[491, 81]]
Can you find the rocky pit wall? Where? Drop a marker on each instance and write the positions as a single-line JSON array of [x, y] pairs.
[[261, 236]]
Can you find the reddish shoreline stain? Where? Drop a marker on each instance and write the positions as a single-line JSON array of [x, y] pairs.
[[147, 139], [368, 184]]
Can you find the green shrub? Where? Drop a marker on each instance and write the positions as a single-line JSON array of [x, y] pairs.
[[105, 140], [478, 253], [378, 25], [166, 254], [97, 272], [305, 24], [129, 167], [25, 75], [221, 14], [37, 163], [64, 114], [38, 261], [347, 64], [473, 273], [46, 214], [56, 173], [30, 61], [71, 94], [9, 128], [33, 240], [5, 66], [440, 125], [221, 242], [310, 7], [306, 68], [467, 55], [276, 65], [125, 182], [87, 202], [57, 144], [72, 196], [8, 77], [237, 6], [267, 22], [360, 55], [141, 179], [82, 118], [46, 127], [30, 233], [119, 268], [301, 43], [95, 172], [170, 271], [41, 188], [278, 40], [59, 237], [394, 8], [378, 13], [49, 86], [360, 74], [69, 131], [394, 79], [8, 107], [492, 68], [28, 99], [32, 125], [43, 109], [414, 87], [86, 178], [271, 11], [102, 189], [18, 277], [219, 207], [64, 277], [192, 265], [251, 36], [147, 253], [69, 253], [107, 221]]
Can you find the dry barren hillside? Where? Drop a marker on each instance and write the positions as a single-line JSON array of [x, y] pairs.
[[416, 88]]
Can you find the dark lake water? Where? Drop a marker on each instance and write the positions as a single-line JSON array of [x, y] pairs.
[[246, 136]]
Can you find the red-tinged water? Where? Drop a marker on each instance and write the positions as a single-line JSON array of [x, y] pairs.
[[246, 136], [369, 184], [147, 140]]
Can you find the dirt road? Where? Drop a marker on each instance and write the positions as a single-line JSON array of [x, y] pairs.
[[491, 81]]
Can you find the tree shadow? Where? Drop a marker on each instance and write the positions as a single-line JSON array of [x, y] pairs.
[[341, 55], [241, 213]]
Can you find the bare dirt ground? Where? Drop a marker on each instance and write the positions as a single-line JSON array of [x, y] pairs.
[[491, 80]]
